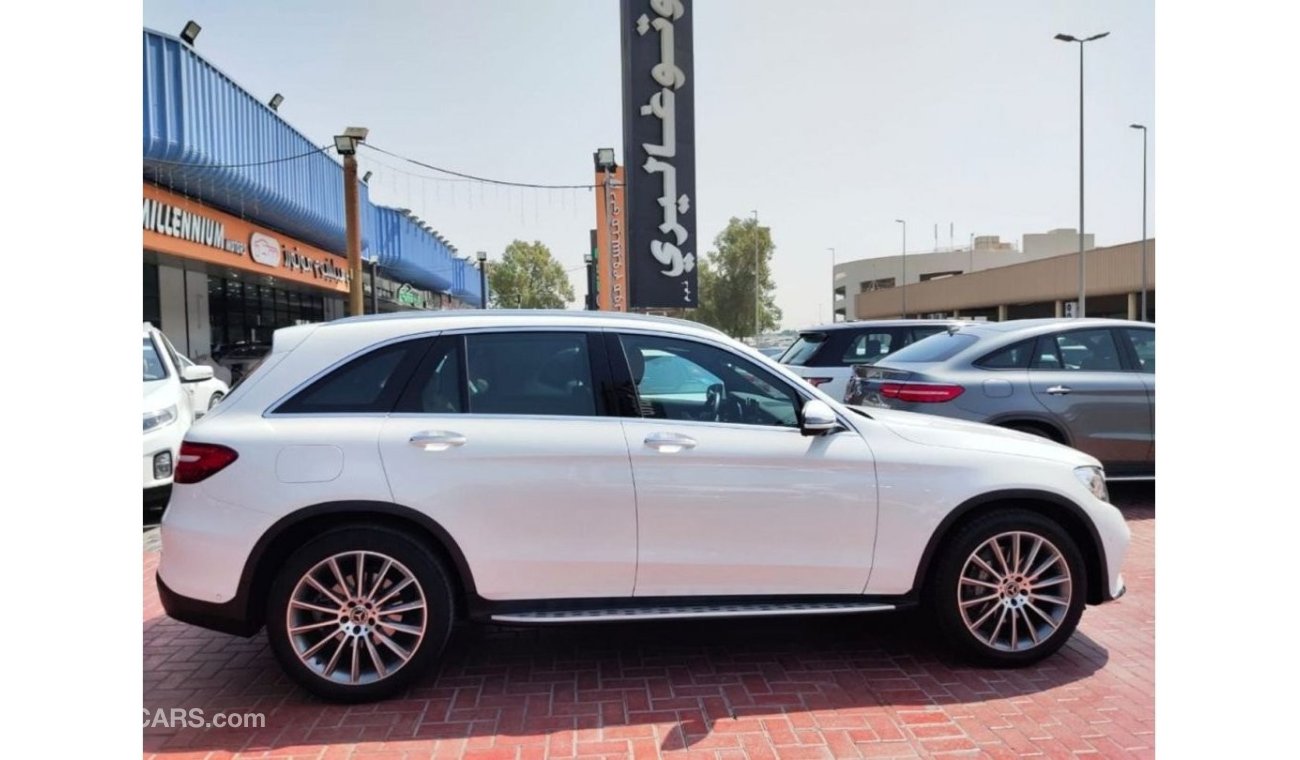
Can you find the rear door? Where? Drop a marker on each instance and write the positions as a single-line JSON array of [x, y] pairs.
[[1142, 342], [1080, 376], [503, 438]]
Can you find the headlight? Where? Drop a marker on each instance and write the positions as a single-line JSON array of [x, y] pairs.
[[155, 420], [1095, 480]]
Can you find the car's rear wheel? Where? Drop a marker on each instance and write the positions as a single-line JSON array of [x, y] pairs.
[[357, 613], [215, 399], [1009, 588]]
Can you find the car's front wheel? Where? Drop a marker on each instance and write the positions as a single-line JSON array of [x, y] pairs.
[[358, 612], [1009, 588]]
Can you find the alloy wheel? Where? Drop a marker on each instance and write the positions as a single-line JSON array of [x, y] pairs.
[[356, 617], [1014, 591]]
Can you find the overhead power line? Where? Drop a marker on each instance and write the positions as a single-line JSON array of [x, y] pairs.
[[487, 180]]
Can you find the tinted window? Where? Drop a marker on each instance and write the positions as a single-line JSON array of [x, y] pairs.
[[1088, 350], [918, 333], [154, 369], [438, 386], [683, 380], [804, 349], [1046, 355], [1144, 345], [936, 348], [529, 373], [1012, 357], [369, 383], [867, 347]]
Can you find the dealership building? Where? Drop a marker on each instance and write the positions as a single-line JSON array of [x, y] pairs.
[[994, 280], [243, 218]]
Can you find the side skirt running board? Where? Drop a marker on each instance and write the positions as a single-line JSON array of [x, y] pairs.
[[687, 611]]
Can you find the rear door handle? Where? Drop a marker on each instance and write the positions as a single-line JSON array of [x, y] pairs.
[[437, 440], [1058, 390], [669, 443]]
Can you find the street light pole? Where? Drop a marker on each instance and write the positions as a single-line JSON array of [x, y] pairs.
[[757, 245], [346, 146], [832, 250], [374, 285], [1144, 218], [482, 279], [900, 221], [1082, 310]]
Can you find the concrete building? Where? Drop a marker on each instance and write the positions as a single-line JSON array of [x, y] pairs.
[[985, 252], [1046, 287]]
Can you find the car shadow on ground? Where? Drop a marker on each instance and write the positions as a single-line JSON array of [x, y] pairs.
[[689, 678]]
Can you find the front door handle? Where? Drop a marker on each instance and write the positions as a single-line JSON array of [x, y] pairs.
[[437, 440], [669, 443], [1058, 390]]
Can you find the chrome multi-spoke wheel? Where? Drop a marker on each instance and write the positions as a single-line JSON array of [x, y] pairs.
[[358, 612], [1009, 587], [356, 617], [1014, 591]]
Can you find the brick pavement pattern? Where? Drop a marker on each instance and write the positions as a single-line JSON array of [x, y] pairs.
[[788, 689]]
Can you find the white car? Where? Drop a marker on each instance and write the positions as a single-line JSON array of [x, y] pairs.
[[824, 355], [204, 394], [168, 411], [378, 478]]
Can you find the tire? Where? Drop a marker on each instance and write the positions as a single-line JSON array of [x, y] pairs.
[[968, 601], [399, 574], [1033, 429], [215, 399]]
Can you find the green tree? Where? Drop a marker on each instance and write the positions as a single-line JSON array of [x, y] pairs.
[[528, 277], [727, 281]]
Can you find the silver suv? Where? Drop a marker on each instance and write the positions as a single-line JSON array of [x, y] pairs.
[[1087, 383]]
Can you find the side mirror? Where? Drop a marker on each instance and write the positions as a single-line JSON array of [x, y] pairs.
[[818, 418], [196, 373]]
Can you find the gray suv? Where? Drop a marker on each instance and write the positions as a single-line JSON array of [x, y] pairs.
[[1087, 383]]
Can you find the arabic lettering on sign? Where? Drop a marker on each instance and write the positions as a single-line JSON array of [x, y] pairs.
[[665, 68]]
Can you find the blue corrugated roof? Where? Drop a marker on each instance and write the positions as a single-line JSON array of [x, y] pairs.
[[194, 114]]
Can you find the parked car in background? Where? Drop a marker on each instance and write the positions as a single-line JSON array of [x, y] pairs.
[[823, 355], [168, 411], [1087, 383], [239, 358], [772, 352], [378, 478], [205, 394]]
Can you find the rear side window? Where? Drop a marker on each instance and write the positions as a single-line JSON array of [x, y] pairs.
[[867, 347], [936, 348], [804, 349], [368, 383], [1144, 346], [530, 373], [1015, 356]]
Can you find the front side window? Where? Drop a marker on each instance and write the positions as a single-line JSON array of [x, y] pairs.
[[1144, 346], [683, 380], [529, 373], [369, 383]]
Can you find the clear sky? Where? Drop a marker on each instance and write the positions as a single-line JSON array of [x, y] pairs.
[[832, 118]]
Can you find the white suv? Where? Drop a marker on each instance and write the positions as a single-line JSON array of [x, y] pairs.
[[378, 478], [168, 410]]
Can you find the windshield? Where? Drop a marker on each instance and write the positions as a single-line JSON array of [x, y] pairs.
[[936, 348], [803, 349], [154, 369]]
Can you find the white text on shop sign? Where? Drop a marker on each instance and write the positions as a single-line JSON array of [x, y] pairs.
[[171, 220]]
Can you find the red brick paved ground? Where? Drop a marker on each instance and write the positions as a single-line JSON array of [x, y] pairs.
[[871, 686]]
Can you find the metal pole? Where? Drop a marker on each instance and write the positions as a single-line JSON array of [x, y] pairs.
[[482, 284], [757, 244], [846, 295], [904, 223], [374, 285], [1144, 224], [1082, 311], [352, 206], [609, 237]]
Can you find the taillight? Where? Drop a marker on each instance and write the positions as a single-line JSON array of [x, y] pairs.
[[199, 461], [921, 392], [816, 381]]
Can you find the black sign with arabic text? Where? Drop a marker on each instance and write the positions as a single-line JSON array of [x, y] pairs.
[[659, 151]]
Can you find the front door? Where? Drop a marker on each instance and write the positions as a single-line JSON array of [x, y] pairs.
[[503, 441], [1082, 380], [732, 499]]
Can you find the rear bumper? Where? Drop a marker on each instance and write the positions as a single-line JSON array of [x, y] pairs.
[[158, 496], [228, 617]]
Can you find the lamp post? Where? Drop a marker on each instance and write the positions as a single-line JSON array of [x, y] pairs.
[[1144, 217], [757, 245], [590, 261], [346, 145], [482, 279], [374, 285], [832, 250], [1080, 312], [900, 221]]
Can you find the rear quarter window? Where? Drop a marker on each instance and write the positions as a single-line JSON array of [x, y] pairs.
[[369, 383]]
